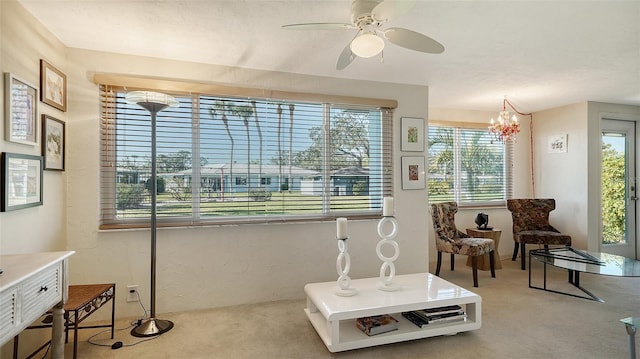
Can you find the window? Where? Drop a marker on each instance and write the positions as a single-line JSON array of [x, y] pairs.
[[467, 166], [240, 160]]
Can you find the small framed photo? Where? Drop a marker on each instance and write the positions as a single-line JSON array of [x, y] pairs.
[[557, 144], [53, 143], [53, 86], [412, 134], [21, 181], [21, 111], [413, 173]]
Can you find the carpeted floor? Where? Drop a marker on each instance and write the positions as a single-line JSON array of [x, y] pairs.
[[517, 322]]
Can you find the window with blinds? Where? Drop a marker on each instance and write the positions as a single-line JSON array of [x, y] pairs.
[[237, 160], [468, 166]]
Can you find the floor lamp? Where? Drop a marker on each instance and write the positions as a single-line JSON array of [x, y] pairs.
[[153, 102]]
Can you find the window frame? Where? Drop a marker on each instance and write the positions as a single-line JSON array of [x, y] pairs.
[[109, 214], [507, 165]]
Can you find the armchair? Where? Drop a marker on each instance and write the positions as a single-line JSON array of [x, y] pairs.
[[531, 225], [450, 240]]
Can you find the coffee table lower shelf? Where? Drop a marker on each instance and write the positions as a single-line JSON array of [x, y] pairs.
[[333, 317]]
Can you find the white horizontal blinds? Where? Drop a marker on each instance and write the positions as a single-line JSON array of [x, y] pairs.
[[357, 157], [230, 160], [440, 168], [126, 159], [260, 157], [468, 166]]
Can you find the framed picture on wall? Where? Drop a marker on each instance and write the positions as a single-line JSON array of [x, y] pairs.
[[21, 111], [53, 143], [21, 181], [557, 143], [412, 134], [53, 86], [413, 173]]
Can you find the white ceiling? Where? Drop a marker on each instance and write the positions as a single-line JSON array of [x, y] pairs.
[[541, 54]]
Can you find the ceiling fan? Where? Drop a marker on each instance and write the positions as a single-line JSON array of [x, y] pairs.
[[368, 16]]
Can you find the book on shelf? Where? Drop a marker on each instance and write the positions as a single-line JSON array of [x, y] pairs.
[[432, 317], [442, 310], [423, 317], [377, 324], [449, 318], [415, 319]]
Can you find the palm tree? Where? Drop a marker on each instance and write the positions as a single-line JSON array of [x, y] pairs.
[[245, 111], [279, 111], [291, 107], [221, 107], [476, 158], [255, 117]]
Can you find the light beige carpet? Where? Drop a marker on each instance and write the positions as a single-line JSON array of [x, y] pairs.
[[517, 322]]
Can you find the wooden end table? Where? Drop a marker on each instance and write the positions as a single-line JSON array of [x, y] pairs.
[[483, 261]]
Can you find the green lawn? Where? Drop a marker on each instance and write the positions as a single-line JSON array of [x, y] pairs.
[[239, 204]]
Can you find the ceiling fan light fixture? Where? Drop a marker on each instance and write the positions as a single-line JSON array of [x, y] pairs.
[[367, 45]]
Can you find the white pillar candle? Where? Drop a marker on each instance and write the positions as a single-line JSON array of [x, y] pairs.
[[387, 208], [341, 224]]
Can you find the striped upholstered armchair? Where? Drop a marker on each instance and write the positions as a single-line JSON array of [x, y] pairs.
[[450, 240], [531, 225]]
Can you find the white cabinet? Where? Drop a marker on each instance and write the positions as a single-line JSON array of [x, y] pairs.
[[30, 285], [334, 316]]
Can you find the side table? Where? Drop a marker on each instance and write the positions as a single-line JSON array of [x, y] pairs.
[[84, 300], [483, 262]]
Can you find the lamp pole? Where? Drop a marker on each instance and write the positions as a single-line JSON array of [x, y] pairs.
[[154, 103]]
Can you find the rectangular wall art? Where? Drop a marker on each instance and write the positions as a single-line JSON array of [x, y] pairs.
[[21, 111], [21, 181], [412, 134], [53, 86], [413, 173], [53, 142]]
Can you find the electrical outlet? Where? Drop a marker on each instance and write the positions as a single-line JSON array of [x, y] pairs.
[[132, 293]]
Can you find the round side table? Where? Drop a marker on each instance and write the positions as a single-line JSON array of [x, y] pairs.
[[483, 262]]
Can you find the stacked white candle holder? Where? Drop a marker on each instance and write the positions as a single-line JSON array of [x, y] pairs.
[[343, 263], [386, 282]]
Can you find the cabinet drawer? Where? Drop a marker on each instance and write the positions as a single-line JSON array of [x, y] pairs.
[[8, 313], [40, 293]]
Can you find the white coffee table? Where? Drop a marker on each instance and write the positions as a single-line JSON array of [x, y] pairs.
[[334, 316]]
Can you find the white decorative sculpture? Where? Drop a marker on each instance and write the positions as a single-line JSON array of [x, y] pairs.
[[343, 263], [386, 283]]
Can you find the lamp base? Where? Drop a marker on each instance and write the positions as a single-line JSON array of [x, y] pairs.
[[151, 327]]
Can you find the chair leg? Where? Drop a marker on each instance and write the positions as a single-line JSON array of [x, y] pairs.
[[439, 264], [474, 266], [522, 257], [453, 261], [515, 250], [492, 263]]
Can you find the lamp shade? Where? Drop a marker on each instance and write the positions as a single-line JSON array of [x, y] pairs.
[[152, 101], [367, 45]]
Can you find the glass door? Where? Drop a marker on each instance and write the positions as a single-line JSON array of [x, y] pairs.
[[618, 194]]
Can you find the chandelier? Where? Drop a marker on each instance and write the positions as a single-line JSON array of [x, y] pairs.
[[507, 126]]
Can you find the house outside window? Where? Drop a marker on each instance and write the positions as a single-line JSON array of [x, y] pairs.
[[239, 160], [467, 165]]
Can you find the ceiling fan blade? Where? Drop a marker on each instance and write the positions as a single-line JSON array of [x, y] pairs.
[[345, 58], [319, 26], [391, 9], [413, 40]]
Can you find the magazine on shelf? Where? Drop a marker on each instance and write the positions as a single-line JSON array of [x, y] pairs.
[[377, 324]]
